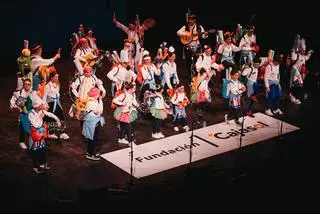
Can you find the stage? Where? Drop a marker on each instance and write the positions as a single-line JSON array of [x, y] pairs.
[[271, 162]]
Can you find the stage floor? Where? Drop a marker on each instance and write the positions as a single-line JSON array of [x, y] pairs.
[[278, 166]]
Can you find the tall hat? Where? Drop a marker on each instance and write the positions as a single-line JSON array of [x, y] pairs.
[[146, 55], [171, 49], [124, 56], [35, 99], [302, 44]]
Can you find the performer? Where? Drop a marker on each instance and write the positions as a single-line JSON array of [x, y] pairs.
[[273, 88], [208, 61], [24, 61], [148, 71], [92, 123], [92, 42], [298, 72], [234, 89], [37, 144], [194, 31], [18, 102], [52, 97], [159, 112], [84, 56], [248, 41], [180, 100], [37, 62], [169, 69], [126, 112], [254, 87], [126, 53], [226, 49], [200, 92], [121, 74], [80, 88], [135, 33]]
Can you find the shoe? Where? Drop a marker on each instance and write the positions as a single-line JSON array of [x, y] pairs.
[[92, 157], [268, 112], [186, 128], [156, 135], [64, 136], [226, 118], [124, 141], [161, 135], [278, 111], [22, 145], [53, 136], [176, 128], [250, 114], [38, 170], [45, 166]]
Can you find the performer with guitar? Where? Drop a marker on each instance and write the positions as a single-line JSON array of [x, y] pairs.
[[190, 35]]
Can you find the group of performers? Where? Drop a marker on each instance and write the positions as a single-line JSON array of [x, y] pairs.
[[161, 95]]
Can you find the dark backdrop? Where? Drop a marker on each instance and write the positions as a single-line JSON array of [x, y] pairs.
[[52, 23]]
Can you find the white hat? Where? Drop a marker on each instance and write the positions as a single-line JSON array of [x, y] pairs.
[[171, 49], [124, 56], [35, 99], [145, 52]]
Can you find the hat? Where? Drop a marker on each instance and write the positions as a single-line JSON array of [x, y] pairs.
[[145, 57], [171, 49], [36, 47], [94, 92], [250, 27], [205, 47], [83, 41], [227, 35], [35, 99], [192, 16]]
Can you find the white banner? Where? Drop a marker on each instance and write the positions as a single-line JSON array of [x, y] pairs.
[[166, 153]]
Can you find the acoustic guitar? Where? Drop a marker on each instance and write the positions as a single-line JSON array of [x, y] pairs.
[[189, 37]]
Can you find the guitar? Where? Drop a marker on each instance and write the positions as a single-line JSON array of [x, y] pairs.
[[189, 37]]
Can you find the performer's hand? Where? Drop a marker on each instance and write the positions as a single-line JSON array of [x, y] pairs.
[[58, 124], [114, 20], [103, 95], [267, 89]]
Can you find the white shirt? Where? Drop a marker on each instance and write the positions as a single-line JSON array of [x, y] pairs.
[[95, 106], [36, 118], [127, 100], [85, 84], [251, 73], [37, 61], [234, 87], [206, 62], [193, 29], [16, 95], [148, 71], [51, 90], [159, 101], [300, 59], [272, 73], [178, 97], [120, 73], [247, 41], [170, 69]]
